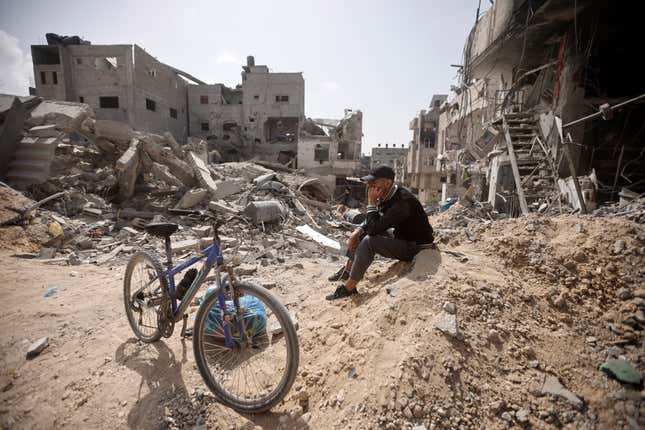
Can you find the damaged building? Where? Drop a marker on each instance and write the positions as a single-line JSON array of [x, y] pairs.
[[549, 110], [331, 148], [261, 117], [422, 175]]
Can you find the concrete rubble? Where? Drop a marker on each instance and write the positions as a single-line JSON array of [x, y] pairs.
[[114, 180]]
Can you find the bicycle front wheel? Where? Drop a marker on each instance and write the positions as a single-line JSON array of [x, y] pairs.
[[250, 376]]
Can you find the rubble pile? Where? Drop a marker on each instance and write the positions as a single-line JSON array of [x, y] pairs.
[[113, 180]]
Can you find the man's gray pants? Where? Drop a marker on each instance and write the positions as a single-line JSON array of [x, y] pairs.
[[388, 247]]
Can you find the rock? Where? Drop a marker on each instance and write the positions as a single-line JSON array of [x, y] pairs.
[[447, 324], [246, 269], [37, 347], [623, 294], [493, 337], [619, 246], [417, 411], [553, 387], [450, 308], [534, 364], [408, 413], [497, 406], [192, 198], [421, 427], [181, 246], [202, 231], [623, 371], [228, 187], [522, 415], [506, 416], [615, 351]]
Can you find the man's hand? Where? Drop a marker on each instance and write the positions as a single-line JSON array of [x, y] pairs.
[[373, 194]]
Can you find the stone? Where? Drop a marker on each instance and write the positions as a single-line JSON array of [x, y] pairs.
[[615, 351], [202, 231], [420, 427], [37, 347], [47, 253], [447, 324], [181, 246], [619, 246], [522, 415], [192, 198], [417, 411], [450, 308], [553, 387], [246, 269], [506, 416], [493, 337], [624, 294]]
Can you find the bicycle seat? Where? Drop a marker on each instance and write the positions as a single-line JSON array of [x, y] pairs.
[[161, 229]]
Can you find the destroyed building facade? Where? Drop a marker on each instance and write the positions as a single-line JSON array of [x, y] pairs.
[[260, 117], [548, 109], [422, 175]]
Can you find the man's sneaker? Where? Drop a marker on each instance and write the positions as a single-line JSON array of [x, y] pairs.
[[341, 292], [341, 275]]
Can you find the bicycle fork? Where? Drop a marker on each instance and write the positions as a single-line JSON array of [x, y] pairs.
[[226, 323]]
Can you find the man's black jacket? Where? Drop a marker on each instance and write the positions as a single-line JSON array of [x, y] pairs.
[[403, 212]]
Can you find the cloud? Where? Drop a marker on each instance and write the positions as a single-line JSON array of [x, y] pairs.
[[229, 57], [17, 71], [330, 86]]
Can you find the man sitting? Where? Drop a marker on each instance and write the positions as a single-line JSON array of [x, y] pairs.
[[388, 206]]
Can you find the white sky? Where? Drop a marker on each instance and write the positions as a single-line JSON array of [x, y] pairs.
[[384, 58]]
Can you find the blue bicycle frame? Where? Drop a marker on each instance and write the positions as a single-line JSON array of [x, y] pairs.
[[213, 257]]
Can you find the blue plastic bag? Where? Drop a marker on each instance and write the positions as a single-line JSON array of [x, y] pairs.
[[254, 314]]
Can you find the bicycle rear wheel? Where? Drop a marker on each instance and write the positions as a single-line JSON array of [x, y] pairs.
[[143, 290], [249, 378]]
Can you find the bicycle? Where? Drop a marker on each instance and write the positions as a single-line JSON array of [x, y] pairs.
[[239, 325]]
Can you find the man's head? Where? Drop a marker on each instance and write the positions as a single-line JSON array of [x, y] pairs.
[[381, 178]]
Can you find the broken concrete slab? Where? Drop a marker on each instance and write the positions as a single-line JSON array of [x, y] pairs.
[[553, 387], [202, 231], [165, 156], [192, 198], [181, 246], [128, 169], [223, 207], [37, 347], [162, 173], [202, 173], [176, 148], [228, 187], [319, 237], [13, 116], [260, 180], [66, 115]]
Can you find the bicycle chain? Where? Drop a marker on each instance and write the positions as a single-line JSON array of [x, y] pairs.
[[165, 321]]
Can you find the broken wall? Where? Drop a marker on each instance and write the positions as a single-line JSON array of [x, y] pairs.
[[158, 83]]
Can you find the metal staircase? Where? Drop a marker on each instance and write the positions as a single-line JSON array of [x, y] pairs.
[[531, 161]]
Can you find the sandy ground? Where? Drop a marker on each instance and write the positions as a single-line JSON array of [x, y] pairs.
[[375, 361]]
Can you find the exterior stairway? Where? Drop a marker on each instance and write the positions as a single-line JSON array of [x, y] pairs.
[[531, 161]]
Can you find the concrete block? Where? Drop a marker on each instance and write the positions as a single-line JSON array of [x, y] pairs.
[[202, 173], [176, 148], [116, 131], [162, 173], [37, 347], [66, 115], [228, 188], [192, 198], [179, 168], [128, 169]]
